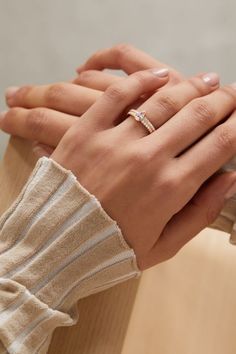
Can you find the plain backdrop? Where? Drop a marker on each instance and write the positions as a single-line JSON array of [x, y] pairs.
[[44, 41]]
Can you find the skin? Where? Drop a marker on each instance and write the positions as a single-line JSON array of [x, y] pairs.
[[35, 119], [91, 147], [132, 180]]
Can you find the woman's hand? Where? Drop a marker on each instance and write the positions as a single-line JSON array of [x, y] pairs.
[[123, 57], [37, 121], [158, 186], [32, 110]]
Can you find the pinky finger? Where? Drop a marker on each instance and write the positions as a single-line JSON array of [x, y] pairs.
[[200, 212]]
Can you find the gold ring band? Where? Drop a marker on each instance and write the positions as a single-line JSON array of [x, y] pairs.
[[142, 118]]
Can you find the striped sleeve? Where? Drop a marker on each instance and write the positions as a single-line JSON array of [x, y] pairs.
[[226, 220], [57, 245]]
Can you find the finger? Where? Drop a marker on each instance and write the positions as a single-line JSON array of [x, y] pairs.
[[98, 80], [42, 150], [127, 58], [164, 104], [195, 120], [120, 95], [211, 152], [199, 213], [63, 97], [41, 124]]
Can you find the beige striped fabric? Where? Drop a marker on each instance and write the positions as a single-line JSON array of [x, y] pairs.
[[226, 221], [57, 245]]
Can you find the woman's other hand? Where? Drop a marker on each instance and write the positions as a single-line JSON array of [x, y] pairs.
[[160, 188]]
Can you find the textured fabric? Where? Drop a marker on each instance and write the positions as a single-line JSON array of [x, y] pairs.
[[226, 221], [57, 245]]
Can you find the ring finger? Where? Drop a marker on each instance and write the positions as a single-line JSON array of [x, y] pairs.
[[195, 120], [164, 104]]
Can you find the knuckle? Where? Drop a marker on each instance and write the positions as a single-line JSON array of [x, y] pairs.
[[116, 93], [138, 158], [171, 183], [228, 97], [121, 50], [176, 78], [36, 120], [20, 97], [196, 84], [86, 76], [167, 103], [95, 57], [202, 111], [104, 145], [21, 94], [168, 182], [140, 77], [55, 93], [224, 138], [230, 93]]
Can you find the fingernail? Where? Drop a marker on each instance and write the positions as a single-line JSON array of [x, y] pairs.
[[10, 91], [2, 115], [211, 79], [160, 72], [231, 191], [233, 85]]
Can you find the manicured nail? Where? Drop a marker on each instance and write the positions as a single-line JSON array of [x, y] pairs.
[[161, 72], [231, 191], [233, 85], [211, 79], [2, 115], [10, 91]]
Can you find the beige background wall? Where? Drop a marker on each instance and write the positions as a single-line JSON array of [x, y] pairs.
[[44, 40]]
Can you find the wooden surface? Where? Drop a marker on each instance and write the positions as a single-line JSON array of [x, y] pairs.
[[184, 306]]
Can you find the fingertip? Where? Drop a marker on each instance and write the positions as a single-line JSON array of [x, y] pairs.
[[161, 73], [212, 79], [9, 94]]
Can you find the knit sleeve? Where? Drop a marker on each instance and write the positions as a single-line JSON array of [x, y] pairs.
[[57, 245], [226, 220]]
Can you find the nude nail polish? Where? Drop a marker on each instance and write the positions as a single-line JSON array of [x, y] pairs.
[[212, 79], [160, 72]]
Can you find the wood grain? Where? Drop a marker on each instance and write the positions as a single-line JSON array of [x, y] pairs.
[[184, 306]]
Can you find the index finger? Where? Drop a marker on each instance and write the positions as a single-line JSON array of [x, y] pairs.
[[127, 58]]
